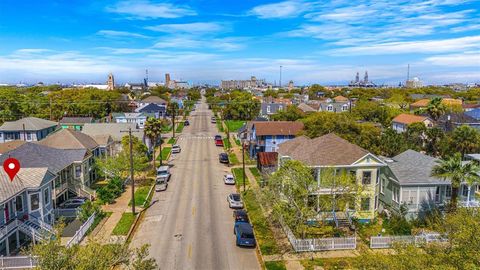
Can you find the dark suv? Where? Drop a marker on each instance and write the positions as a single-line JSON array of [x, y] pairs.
[[223, 158]]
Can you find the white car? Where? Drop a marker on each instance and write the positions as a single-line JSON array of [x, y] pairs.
[[234, 201], [176, 149], [163, 172], [161, 184], [228, 179]]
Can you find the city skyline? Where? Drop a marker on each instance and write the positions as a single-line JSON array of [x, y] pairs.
[[315, 41]]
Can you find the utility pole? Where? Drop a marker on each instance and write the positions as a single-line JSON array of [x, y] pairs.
[[243, 165], [161, 158], [131, 166]]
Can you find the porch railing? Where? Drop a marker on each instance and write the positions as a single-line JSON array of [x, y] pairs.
[[17, 262], [80, 234], [6, 229]]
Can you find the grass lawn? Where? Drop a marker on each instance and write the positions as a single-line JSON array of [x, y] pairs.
[[124, 224], [226, 144], [238, 174], [277, 265], [172, 140], [166, 129], [237, 142], [263, 233], [234, 125], [165, 153], [219, 126], [180, 127], [329, 263], [233, 159], [141, 194], [257, 175]]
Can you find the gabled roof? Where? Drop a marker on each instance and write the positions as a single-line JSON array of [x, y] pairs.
[[25, 178], [76, 120], [445, 101], [327, 150], [32, 155], [69, 139], [103, 140], [340, 99], [8, 146], [408, 119], [412, 167], [277, 128], [116, 130], [306, 108], [154, 99], [151, 108], [30, 123], [131, 115], [267, 158]]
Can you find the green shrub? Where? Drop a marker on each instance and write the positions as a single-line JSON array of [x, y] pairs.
[[111, 191], [87, 209]]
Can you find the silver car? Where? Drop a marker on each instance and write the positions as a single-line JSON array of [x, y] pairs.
[[228, 179], [234, 201], [176, 149]]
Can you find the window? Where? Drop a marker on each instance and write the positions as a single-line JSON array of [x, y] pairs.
[[367, 178], [376, 202], [78, 171], [19, 204], [464, 190], [329, 108], [382, 186], [29, 136], [34, 201], [395, 194], [46, 196], [280, 108], [345, 107], [268, 109], [365, 204], [377, 179], [448, 192]]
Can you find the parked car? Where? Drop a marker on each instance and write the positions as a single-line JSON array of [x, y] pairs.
[[228, 179], [161, 184], [240, 216], [218, 137], [234, 201], [163, 172], [223, 158], [186, 123], [176, 149], [219, 143], [73, 202], [244, 234], [214, 120]]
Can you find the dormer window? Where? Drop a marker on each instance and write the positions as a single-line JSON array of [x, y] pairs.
[[329, 108], [344, 107]]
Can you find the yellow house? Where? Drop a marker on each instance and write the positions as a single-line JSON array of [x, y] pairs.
[[332, 153]]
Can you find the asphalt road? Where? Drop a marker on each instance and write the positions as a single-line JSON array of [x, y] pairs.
[[190, 226]]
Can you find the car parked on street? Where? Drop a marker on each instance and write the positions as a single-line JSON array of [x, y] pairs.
[[163, 172], [213, 120], [244, 234], [73, 203], [228, 179], [161, 184], [186, 123], [234, 201], [218, 137], [219, 142], [176, 149], [240, 216], [223, 158]]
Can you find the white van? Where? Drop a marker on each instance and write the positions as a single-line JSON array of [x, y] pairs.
[[161, 184], [163, 172]]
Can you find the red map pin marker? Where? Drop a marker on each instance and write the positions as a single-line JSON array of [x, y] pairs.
[[11, 167]]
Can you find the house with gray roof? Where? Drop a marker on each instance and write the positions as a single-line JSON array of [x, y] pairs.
[[27, 129], [27, 208], [117, 131], [408, 181], [267, 109], [333, 106], [75, 123], [138, 118]]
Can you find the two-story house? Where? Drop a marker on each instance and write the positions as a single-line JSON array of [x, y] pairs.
[[401, 122], [267, 136], [332, 153], [268, 109], [137, 118], [69, 139], [27, 129], [26, 208], [117, 131]]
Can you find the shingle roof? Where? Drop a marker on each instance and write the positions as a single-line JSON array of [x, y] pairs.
[[151, 108], [69, 139], [31, 123], [76, 120], [113, 129], [8, 146], [327, 150], [340, 99], [102, 140], [306, 108], [25, 178], [412, 167], [32, 155], [154, 99], [277, 128], [267, 158], [406, 118], [475, 113]]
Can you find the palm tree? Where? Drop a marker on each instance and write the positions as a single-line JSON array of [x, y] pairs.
[[153, 130], [173, 110], [458, 172], [435, 108]]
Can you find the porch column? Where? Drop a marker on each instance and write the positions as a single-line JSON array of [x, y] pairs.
[[7, 248], [318, 188], [468, 195]]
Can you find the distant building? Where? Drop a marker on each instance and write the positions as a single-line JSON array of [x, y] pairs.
[[402, 121], [361, 83], [290, 85], [75, 123], [174, 84], [268, 109], [243, 84], [414, 83], [110, 82]]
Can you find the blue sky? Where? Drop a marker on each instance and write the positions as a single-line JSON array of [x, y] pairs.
[[323, 42]]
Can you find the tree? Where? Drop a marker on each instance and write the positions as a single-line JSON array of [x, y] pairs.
[[292, 113], [415, 135], [457, 172], [153, 130], [392, 143], [435, 108], [240, 105], [465, 140], [434, 137], [172, 109], [270, 93], [314, 90]]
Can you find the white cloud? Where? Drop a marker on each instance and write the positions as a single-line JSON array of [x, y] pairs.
[[119, 34], [197, 27], [284, 9], [192, 42], [143, 9], [423, 46], [468, 59]]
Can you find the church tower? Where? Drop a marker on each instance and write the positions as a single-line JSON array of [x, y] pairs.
[[110, 82]]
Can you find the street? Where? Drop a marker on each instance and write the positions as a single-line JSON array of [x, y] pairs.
[[190, 226]]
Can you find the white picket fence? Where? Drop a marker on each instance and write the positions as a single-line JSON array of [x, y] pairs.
[[81, 231], [17, 262], [319, 244], [389, 241]]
